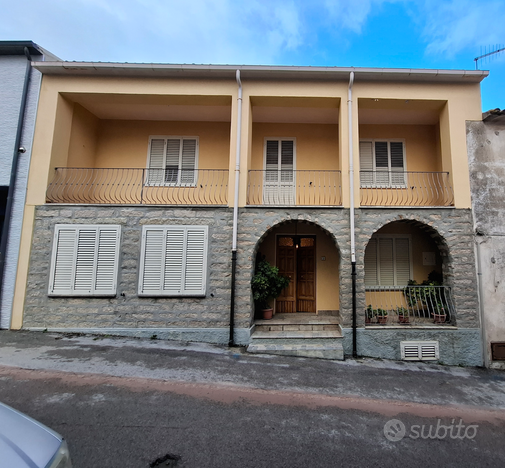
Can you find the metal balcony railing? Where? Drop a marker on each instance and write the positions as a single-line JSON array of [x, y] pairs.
[[399, 188], [139, 186], [294, 188], [409, 305]]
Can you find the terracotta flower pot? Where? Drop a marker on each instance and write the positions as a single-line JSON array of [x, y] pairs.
[[403, 319], [439, 318], [382, 319], [268, 314]]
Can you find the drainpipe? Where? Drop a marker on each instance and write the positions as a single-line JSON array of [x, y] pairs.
[[14, 171], [351, 218], [478, 241], [231, 341]]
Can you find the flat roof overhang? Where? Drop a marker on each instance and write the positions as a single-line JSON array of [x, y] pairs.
[[258, 72]]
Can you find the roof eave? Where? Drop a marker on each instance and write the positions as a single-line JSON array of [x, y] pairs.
[[257, 72]]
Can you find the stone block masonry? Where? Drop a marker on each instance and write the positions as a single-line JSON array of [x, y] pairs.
[[127, 309], [450, 228]]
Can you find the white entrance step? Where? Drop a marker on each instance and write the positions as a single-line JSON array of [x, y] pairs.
[[320, 339]]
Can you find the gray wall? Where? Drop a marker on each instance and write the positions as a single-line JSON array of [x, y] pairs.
[[183, 317], [127, 310], [486, 153], [12, 71]]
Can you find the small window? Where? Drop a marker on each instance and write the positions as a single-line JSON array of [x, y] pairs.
[[173, 261], [382, 163], [84, 260], [172, 161], [388, 261]]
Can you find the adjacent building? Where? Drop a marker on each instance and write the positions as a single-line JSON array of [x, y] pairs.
[[154, 189], [486, 152], [19, 93]]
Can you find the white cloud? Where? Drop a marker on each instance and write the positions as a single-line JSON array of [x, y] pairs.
[[204, 31], [352, 15], [454, 26]]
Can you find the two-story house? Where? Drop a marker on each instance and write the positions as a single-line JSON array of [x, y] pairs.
[[155, 188]]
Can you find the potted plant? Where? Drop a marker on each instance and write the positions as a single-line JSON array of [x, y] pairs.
[[267, 284], [403, 314], [382, 315], [369, 314], [439, 313]]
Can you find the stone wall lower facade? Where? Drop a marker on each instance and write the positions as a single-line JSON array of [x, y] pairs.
[[127, 310], [207, 319]]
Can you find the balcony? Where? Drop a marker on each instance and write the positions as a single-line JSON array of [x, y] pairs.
[[409, 305], [139, 186], [294, 188], [399, 188]]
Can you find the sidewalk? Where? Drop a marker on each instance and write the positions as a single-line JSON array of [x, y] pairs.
[[353, 382]]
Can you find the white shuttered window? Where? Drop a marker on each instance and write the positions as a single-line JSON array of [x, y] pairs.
[[388, 261], [84, 260], [382, 163], [172, 160], [173, 261]]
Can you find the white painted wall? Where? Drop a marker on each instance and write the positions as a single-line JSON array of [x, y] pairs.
[[12, 72]]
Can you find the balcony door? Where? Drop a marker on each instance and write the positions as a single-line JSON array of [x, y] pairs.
[[296, 259], [279, 183]]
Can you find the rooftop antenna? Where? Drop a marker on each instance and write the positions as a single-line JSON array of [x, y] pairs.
[[488, 51]]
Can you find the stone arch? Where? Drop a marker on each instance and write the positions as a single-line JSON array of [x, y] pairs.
[[434, 231], [288, 221], [325, 236]]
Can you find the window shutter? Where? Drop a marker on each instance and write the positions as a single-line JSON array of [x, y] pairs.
[[366, 162], [85, 260], [287, 150], [402, 261], [386, 265], [85, 265], [381, 155], [172, 161], [173, 261], [63, 261], [272, 161], [153, 254], [381, 163], [194, 280], [371, 263], [106, 262], [396, 155], [156, 157], [397, 169], [188, 163]]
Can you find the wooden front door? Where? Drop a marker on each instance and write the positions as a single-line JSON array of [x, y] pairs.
[[296, 259], [306, 276]]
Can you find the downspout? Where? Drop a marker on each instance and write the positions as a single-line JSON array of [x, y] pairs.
[[14, 171], [231, 341], [481, 302], [351, 218]]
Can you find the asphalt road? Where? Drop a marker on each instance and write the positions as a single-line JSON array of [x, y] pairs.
[[127, 403]]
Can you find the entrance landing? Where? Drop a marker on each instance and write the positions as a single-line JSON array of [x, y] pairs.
[[298, 334]]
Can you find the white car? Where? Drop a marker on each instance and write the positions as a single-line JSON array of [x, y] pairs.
[[26, 443]]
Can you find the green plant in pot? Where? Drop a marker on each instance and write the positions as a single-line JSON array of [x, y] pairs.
[[382, 315], [403, 314], [369, 314], [267, 284]]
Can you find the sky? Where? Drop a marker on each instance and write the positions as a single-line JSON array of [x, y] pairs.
[[439, 34]]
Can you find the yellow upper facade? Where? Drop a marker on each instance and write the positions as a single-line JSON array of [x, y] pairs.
[[165, 134]]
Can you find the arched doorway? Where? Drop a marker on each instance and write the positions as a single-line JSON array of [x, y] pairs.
[[308, 255], [407, 275]]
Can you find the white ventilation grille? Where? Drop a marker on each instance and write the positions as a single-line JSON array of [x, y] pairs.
[[419, 350]]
